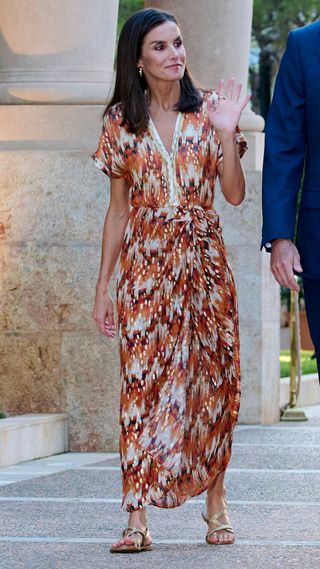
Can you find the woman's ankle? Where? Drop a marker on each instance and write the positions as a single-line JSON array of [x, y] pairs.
[[216, 496], [138, 518]]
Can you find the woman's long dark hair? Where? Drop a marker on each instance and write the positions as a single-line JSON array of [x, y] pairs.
[[129, 87]]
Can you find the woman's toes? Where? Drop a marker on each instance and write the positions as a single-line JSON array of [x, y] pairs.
[[213, 538], [226, 538], [221, 537], [123, 541]]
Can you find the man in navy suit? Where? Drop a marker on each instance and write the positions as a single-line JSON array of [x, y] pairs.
[[292, 154]]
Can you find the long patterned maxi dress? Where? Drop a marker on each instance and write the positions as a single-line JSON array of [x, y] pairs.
[[177, 311]]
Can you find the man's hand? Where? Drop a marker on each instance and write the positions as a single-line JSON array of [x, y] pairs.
[[284, 259]]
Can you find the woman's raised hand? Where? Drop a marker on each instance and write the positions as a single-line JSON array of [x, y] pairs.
[[224, 113]]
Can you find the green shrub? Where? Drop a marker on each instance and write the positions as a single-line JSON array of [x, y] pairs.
[[308, 363]]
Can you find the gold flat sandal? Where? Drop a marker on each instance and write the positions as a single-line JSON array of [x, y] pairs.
[[139, 536], [214, 520]]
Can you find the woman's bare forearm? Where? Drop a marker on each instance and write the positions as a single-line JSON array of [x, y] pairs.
[[232, 178], [113, 233]]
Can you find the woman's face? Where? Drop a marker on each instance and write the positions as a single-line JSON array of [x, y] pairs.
[[163, 55]]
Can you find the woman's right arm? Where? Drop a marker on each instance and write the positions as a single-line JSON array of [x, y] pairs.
[[115, 224]]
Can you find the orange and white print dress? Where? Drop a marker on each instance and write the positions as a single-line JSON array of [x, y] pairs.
[[177, 312]]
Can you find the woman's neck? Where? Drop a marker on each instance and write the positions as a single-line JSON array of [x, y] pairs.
[[163, 96]]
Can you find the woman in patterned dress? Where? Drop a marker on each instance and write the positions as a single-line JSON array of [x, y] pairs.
[[163, 143]]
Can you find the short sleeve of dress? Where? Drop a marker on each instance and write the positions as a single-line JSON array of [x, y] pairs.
[[110, 154], [242, 145]]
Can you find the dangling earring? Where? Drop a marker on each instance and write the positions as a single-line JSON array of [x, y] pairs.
[[140, 71]]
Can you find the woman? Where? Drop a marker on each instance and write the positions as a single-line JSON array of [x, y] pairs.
[[163, 143]]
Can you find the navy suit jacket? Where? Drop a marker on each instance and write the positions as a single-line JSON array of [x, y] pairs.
[[293, 148]]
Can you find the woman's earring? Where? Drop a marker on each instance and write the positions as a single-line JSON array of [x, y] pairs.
[[140, 71]]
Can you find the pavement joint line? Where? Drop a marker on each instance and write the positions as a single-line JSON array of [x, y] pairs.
[[275, 427], [59, 463], [118, 468], [190, 502], [258, 542], [260, 470], [45, 473], [87, 459], [276, 445]]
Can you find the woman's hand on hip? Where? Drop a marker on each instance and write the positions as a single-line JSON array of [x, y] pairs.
[[224, 113], [103, 313]]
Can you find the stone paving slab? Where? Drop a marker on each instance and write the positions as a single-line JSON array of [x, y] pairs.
[[87, 520], [77, 483], [97, 483], [276, 457], [243, 457], [266, 457], [44, 466], [104, 463], [288, 435], [181, 555]]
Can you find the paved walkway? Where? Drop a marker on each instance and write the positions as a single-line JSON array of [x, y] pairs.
[[63, 512]]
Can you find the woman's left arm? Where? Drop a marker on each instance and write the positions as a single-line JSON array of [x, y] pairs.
[[231, 175]]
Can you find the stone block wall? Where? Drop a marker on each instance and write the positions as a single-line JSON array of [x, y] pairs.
[[54, 359]]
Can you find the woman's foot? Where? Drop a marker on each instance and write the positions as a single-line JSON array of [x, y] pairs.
[[217, 514], [137, 519]]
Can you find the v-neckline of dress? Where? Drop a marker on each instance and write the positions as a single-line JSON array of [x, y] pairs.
[[158, 140]]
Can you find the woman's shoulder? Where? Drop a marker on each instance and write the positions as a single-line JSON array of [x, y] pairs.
[[113, 116]]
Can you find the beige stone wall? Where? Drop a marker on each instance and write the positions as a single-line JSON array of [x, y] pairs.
[[54, 359], [52, 207]]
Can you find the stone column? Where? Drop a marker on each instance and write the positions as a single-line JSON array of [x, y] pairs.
[[56, 75], [58, 52], [217, 40]]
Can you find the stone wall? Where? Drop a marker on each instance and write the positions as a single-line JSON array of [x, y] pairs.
[[53, 358], [52, 207]]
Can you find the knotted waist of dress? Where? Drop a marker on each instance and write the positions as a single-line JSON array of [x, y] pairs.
[[204, 215]]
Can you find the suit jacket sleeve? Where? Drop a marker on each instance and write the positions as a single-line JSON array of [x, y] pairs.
[[285, 145]]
